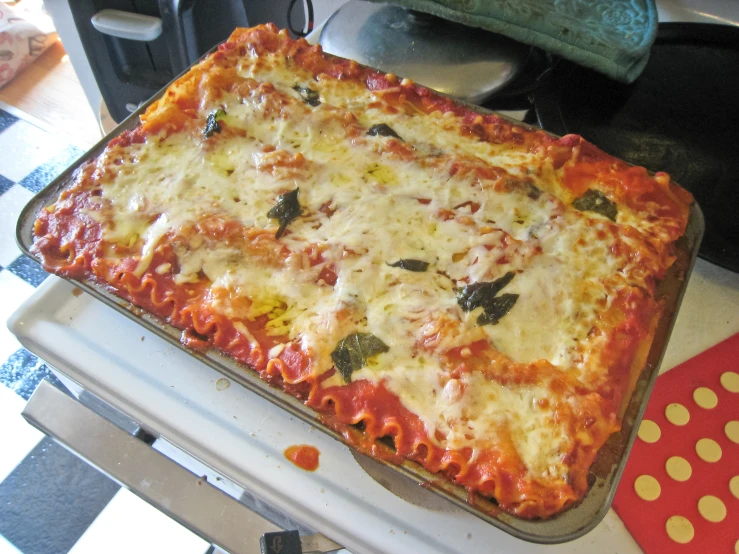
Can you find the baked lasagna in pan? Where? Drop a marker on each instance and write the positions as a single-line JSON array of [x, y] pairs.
[[480, 294]]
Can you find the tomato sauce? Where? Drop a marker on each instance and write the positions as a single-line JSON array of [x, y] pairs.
[[304, 456]]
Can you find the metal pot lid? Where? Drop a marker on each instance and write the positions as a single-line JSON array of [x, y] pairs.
[[464, 62]]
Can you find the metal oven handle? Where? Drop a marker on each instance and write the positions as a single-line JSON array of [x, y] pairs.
[[175, 491], [128, 25]]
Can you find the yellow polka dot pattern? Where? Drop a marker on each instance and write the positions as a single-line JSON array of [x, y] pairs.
[[708, 450], [730, 381], [732, 431], [649, 431], [679, 529], [712, 508], [647, 487], [734, 486], [678, 468], [677, 414], [705, 398]]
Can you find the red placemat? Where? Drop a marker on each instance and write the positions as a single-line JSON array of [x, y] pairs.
[[680, 488]]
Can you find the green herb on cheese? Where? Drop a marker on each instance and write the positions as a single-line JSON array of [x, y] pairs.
[[286, 209], [310, 96], [354, 350], [411, 265], [212, 123], [484, 295], [596, 201], [383, 130]]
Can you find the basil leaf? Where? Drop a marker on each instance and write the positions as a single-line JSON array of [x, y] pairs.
[[286, 209], [531, 190], [522, 186], [353, 351], [383, 130], [212, 124], [497, 308], [483, 295], [411, 265], [596, 201], [310, 96], [478, 294]]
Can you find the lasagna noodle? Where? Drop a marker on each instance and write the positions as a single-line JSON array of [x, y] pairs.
[[173, 216]]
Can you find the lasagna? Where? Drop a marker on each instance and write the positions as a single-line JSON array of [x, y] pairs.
[[477, 295]]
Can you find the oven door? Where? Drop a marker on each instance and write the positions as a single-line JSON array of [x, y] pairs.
[[188, 498]]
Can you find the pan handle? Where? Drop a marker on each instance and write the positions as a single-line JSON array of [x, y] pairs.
[[188, 499]]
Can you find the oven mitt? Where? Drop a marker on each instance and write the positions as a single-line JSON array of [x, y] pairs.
[[610, 36]]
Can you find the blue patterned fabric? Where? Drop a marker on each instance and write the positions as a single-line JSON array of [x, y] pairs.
[[610, 36]]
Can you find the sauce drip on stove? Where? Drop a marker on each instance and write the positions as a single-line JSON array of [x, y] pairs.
[[304, 456]]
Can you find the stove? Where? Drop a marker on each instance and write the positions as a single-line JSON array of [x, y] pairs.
[[231, 441]]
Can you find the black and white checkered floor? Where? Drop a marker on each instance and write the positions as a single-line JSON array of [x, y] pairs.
[[50, 501]]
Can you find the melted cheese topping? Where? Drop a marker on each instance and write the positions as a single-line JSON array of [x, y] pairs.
[[382, 208]]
